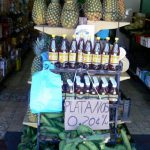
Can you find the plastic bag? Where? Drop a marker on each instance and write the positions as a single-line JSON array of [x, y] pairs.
[[46, 91]]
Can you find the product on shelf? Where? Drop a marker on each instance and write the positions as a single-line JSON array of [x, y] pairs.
[[63, 53], [70, 14], [39, 12], [110, 10], [80, 88], [53, 51], [70, 88], [37, 61], [113, 86], [87, 84], [53, 13], [87, 54], [114, 56], [81, 45], [96, 58], [121, 9], [73, 53], [104, 86], [105, 55], [93, 10]]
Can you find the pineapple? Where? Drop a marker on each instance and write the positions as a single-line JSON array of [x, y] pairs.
[[70, 14], [93, 10], [39, 12], [53, 13], [110, 10], [121, 9], [39, 46]]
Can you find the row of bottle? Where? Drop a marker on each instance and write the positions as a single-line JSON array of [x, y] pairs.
[[82, 55], [84, 85]]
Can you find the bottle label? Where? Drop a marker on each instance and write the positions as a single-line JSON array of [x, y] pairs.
[[96, 59], [114, 59], [63, 57], [87, 58], [80, 57], [105, 59], [72, 57], [53, 56]]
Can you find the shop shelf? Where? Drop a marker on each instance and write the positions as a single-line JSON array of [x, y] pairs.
[[99, 25]]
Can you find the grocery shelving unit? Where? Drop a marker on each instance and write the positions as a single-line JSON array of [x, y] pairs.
[[99, 25]]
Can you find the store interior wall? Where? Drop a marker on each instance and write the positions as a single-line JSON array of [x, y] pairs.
[[134, 4]]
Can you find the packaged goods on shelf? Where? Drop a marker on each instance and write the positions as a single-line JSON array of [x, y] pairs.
[[81, 54]]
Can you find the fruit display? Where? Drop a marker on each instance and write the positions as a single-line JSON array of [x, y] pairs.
[[39, 12], [93, 10], [70, 14], [53, 13], [83, 138], [37, 62], [110, 10]]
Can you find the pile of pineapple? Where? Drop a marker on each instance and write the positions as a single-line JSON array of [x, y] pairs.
[[68, 16]]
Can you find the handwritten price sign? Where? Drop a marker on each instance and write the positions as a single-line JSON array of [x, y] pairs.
[[93, 113]]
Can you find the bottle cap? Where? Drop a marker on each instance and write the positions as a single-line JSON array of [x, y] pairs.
[[98, 38], [64, 36], [116, 39], [107, 38], [74, 36], [53, 36]]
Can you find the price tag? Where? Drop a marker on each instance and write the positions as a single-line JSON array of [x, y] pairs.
[[93, 113]]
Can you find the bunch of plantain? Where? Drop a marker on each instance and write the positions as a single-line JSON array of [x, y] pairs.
[[28, 139], [83, 138], [51, 125]]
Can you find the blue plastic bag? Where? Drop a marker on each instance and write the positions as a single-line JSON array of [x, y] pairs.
[[46, 91]]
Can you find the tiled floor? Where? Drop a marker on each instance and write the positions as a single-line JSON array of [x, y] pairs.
[[14, 101], [14, 98], [140, 107]]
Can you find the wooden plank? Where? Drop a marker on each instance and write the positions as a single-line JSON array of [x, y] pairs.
[[124, 76], [101, 25], [59, 31]]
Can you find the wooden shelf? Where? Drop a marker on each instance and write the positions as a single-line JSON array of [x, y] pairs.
[[99, 25]]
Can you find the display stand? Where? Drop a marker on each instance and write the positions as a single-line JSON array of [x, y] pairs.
[[99, 25]]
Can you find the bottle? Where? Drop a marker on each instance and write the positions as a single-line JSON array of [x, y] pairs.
[[114, 56], [94, 86], [73, 52], [113, 86], [87, 84], [53, 53], [70, 88], [87, 54], [96, 58], [80, 89], [105, 55], [104, 86], [81, 45], [95, 79], [63, 53]]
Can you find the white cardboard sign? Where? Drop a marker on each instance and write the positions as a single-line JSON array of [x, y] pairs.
[[93, 113]]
